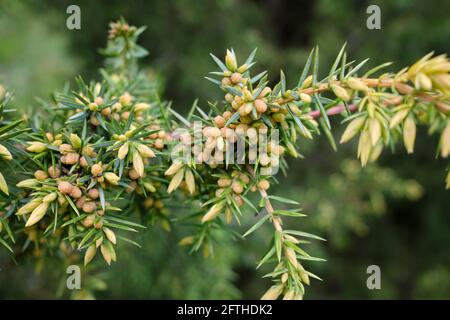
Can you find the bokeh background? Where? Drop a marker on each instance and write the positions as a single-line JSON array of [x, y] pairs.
[[394, 214]]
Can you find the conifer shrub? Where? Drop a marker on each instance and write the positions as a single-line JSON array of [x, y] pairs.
[[109, 158]]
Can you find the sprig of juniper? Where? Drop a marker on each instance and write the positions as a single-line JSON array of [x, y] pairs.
[[378, 105]]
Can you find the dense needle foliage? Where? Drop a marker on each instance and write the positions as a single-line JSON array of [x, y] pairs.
[[97, 163]]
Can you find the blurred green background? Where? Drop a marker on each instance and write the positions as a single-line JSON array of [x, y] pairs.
[[394, 214]]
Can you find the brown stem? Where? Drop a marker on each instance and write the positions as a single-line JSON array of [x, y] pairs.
[[385, 83], [334, 110], [401, 87]]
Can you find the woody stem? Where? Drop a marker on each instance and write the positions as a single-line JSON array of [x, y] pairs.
[[334, 110], [401, 87]]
